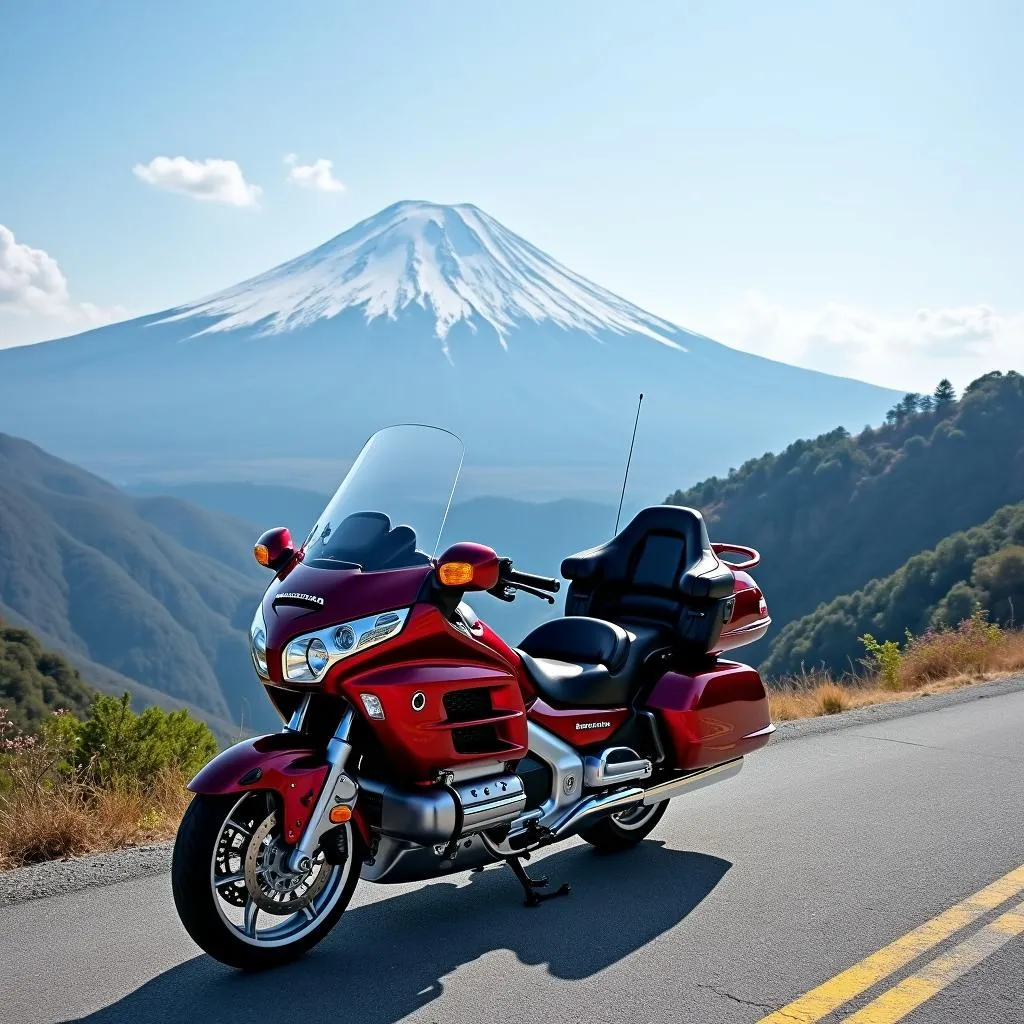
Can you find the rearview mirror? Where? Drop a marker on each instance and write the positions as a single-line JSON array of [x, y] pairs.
[[274, 550], [467, 566]]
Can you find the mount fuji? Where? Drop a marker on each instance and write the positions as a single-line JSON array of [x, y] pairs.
[[427, 313]]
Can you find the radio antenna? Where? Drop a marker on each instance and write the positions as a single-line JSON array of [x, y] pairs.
[[629, 459]]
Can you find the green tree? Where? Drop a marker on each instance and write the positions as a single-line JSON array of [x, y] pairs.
[[945, 394]]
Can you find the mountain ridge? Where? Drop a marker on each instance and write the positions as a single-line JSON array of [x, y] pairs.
[[94, 574], [425, 313]]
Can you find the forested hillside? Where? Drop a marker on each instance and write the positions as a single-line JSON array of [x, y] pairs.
[[153, 589], [35, 681], [981, 567], [833, 513]]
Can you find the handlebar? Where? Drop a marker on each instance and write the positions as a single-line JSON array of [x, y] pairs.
[[528, 579], [510, 580]]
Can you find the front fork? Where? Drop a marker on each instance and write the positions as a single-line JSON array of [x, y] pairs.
[[339, 790]]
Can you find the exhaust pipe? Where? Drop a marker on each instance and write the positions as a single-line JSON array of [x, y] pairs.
[[691, 781], [595, 807]]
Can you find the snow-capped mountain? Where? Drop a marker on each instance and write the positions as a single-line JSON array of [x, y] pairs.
[[421, 312], [455, 262]]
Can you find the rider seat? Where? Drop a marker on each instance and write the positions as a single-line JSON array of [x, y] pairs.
[[657, 586]]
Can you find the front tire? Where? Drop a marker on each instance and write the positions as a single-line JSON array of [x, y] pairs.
[[624, 830], [228, 848]]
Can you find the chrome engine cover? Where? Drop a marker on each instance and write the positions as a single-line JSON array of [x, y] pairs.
[[428, 816]]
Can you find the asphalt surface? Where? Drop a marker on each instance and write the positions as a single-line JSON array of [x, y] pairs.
[[826, 848]]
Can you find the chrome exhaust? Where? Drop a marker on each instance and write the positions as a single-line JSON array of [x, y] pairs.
[[595, 807], [691, 781]]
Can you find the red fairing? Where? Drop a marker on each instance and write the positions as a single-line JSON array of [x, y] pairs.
[[433, 658], [288, 766], [579, 726], [712, 716]]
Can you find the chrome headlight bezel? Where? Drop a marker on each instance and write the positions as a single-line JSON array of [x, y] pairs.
[[342, 640], [258, 644]]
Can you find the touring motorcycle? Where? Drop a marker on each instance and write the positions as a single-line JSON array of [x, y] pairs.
[[418, 743]]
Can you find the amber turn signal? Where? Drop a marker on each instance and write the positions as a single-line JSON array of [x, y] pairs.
[[340, 814], [262, 554], [455, 574]]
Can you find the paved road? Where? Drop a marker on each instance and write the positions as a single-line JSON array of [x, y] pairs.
[[824, 850]]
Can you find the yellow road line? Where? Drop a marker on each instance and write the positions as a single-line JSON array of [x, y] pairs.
[[910, 993], [821, 1001]]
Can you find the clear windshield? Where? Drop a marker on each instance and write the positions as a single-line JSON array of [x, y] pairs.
[[390, 509]]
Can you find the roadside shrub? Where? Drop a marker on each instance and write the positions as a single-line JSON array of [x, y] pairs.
[[971, 649], [115, 779], [114, 746], [883, 659]]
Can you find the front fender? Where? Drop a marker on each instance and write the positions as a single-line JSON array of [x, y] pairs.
[[281, 762]]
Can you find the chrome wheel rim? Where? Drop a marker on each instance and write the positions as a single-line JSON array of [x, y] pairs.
[[633, 818], [257, 898]]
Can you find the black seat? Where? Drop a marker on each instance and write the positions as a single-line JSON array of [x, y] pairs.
[[655, 586], [583, 662], [660, 570]]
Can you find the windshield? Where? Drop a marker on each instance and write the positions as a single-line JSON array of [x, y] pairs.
[[390, 509]]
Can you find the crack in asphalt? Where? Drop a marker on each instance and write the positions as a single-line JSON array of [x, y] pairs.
[[737, 999], [943, 750]]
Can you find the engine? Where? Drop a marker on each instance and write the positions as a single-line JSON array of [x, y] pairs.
[[436, 814]]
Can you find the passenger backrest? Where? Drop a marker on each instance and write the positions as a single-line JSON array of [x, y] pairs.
[[659, 570]]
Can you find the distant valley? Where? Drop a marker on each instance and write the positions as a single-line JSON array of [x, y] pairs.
[[153, 592]]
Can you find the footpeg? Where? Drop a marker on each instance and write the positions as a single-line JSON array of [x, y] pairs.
[[531, 885], [616, 764]]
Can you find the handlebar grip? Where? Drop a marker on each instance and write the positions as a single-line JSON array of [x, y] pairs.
[[528, 579]]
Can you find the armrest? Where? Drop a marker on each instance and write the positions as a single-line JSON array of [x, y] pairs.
[[583, 566], [709, 578]]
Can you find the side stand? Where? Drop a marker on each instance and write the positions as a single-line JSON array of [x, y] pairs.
[[531, 885]]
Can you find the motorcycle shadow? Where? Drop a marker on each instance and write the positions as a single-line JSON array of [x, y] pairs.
[[386, 959]]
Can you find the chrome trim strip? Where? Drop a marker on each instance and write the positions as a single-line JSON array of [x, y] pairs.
[[766, 731]]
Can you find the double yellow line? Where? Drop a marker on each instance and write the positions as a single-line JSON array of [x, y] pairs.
[[896, 1002]]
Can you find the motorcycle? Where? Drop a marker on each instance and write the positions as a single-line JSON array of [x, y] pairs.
[[417, 743]]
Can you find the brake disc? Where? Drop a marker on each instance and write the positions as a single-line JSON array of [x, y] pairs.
[[271, 885]]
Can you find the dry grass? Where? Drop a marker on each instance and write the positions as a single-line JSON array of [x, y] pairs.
[[933, 663], [64, 817]]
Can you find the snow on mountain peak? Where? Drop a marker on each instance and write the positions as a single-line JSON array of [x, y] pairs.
[[454, 261]]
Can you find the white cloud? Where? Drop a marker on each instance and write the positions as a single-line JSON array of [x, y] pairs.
[[318, 175], [34, 299], [218, 181], [912, 351]]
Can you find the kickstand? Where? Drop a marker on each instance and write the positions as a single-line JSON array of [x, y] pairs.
[[531, 885]]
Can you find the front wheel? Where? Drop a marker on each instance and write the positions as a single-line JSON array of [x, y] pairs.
[[233, 890], [626, 828]]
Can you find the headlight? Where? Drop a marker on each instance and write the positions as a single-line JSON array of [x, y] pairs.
[[258, 643], [307, 658]]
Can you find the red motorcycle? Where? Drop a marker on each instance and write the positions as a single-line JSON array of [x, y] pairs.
[[418, 743]]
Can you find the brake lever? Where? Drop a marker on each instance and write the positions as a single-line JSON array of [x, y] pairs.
[[503, 592], [533, 590]]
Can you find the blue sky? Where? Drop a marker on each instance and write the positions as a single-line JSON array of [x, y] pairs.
[[837, 184]]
